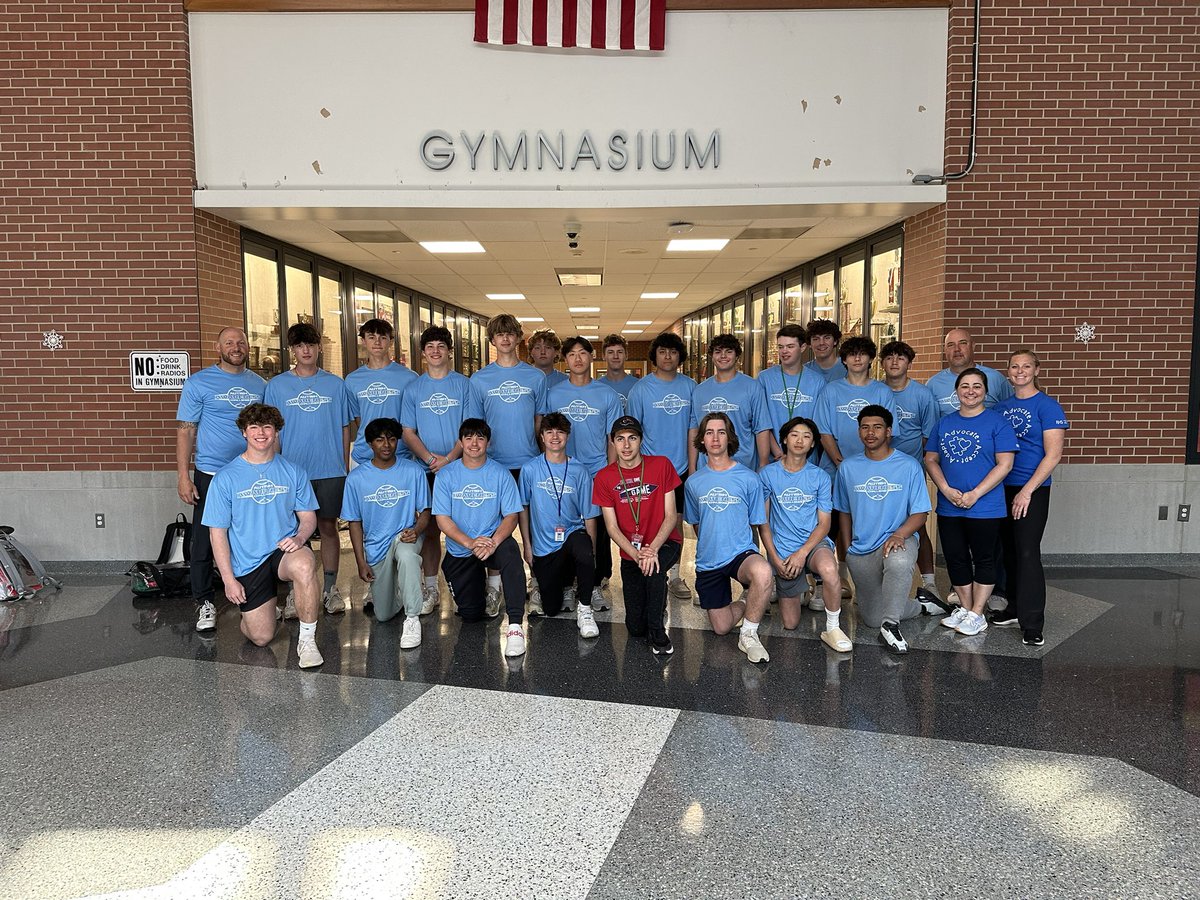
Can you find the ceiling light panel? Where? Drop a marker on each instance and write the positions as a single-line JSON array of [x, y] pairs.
[[697, 245], [453, 246]]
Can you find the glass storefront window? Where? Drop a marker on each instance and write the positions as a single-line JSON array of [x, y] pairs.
[[885, 296], [824, 295], [774, 310], [793, 301], [329, 287], [403, 327], [754, 349], [260, 275], [850, 297], [726, 320], [364, 309]]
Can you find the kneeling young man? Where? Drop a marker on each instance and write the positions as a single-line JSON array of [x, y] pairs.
[[725, 504], [476, 504], [796, 534], [387, 506], [882, 497], [558, 523], [260, 510]]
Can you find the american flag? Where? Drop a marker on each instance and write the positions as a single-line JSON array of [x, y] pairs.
[[598, 24]]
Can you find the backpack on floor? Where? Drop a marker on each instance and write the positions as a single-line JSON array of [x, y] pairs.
[[150, 580], [177, 542], [21, 573]]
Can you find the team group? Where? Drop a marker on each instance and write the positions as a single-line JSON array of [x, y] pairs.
[[818, 464]]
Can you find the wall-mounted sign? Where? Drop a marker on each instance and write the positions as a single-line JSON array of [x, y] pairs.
[[618, 151], [151, 370]]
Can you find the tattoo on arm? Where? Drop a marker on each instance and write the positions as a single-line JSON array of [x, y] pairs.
[[186, 426]]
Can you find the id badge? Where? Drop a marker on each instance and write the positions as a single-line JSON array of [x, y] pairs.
[[560, 534], [637, 540]]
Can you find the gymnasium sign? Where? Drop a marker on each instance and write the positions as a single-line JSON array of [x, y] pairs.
[[158, 371]]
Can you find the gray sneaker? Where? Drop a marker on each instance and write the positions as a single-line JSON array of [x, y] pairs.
[[429, 600], [334, 603], [207, 619], [491, 604], [680, 589], [289, 606], [750, 645], [569, 599], [535, 602], [310, 656]]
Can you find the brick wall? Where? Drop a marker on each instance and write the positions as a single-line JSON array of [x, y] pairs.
[[1082, 207], [219, 279], [96, 232], [924, 288]]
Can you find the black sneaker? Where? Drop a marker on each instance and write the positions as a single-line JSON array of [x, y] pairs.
[[931, 603], [1033, 639], [1005, 618], [890, 634], [660, 644]]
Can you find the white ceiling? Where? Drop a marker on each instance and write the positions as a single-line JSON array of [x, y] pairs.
[[524, 247]]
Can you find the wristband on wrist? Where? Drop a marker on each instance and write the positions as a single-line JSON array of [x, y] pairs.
[[431, 460]]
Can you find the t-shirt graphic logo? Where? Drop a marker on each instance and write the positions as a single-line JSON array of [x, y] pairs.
[[554, 487], [792, 397], [473, 495], [854, 407], [1020, 420], [509, 391], [238, 397], [793, 498], [309, 401], [438, 403], [877, 487], [631, 491], [960, 446], [377, 392], [719, 404], [951, 401], [671, 404], [718, 499], [387, 495], [905, 415], [578, 411], [263, 491]]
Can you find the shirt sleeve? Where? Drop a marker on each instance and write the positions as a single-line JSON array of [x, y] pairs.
[[408, 407], [510, 500], [352, 399], [346, 405], [841, 497], [918, 494], [821, 411], [690, 504], [218, 504], [601, 495], [442, 491], [1053, 416], [671, 479], [422, 492], [1003, 436], [524, 486], [824, 492], [541, 397], [473, 402], [350, 511], [306, 500], [636, 404], [616, 409], [929, 414], [757, 499], [588, 507], [272, 395], [760, 416], [190, 405]]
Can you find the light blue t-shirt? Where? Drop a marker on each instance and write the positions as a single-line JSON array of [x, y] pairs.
[[833, 373], [592, 410], [916, 415], [555, 377], [664, 408], [966, 449], [788, 396], [315, 409], [742, 399], [622, 387], [257, 503], [879, 496], [942, 385], [386, 501], [838, 407], [377, 394], [436, 407], [725, 505], [213, 398], [476, 499], [511, 398], [796, 498], [1030, 419], [556, 494]]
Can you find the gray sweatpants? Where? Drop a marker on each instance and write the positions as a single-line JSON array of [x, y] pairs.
[[882, 584], [397, 582]]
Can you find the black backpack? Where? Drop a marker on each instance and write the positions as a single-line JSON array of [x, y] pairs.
[[177, 542], [171, 574]]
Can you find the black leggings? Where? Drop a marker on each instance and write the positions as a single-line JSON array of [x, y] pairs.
[[467, 577], [604, 565], [1022, 539], [970, 547], [558, 570]]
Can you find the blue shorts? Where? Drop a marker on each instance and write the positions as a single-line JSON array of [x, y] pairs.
[[713, 587]]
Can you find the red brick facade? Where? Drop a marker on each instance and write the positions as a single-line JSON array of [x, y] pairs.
[[219, 274]]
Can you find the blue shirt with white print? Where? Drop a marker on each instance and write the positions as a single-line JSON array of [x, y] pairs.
[[622, 386], [436, 407], [796, 498], [966, 447], [512, 396], [742, 399], [377, 394], [839, 405], [476, 499], [665, 409], [1031, 418], [592, 409], [315, 409], [879, 495], [557, 494], [942, 385], [725, 505], [788, 396], [833, 373], [213, 398], [916, 415], [386, 501]]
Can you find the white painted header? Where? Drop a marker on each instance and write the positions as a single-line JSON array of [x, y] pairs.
[[288, 104]]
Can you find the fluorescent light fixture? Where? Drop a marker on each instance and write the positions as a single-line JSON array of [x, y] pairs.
[[660, 295], [453, 246], [530, 319], [582, 309], [639, 322], [631, 331], [591, 337], [697, 245], [509, 297], [580, 277]]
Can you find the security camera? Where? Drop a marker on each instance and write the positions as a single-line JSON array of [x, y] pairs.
[[573, 229], [573, 244]]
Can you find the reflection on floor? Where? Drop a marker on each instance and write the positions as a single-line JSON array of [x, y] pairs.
[[145, 760]]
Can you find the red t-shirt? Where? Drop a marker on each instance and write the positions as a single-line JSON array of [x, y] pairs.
[[660, 478]]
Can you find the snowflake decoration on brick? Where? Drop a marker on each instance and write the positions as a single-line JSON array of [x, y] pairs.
[[52, 340], [1085, 332]]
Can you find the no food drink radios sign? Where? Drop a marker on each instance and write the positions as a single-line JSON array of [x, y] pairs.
[[151, 370]]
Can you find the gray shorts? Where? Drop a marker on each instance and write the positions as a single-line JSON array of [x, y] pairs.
[[329, 496], [795, 587]]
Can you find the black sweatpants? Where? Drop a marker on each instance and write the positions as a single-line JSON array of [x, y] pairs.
[[202, 558], [970, 547], [603, 553], [1022, 540], [467, 577], [646, 598], [560, 569]]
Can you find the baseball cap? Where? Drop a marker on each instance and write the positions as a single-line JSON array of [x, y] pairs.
[[626, 423]]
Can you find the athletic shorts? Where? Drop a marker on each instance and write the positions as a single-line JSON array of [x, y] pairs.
[[329, 496], [714, 588], [262, 584], [794, 587]]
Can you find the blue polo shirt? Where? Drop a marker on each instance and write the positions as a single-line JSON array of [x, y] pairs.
[[741, 398], [796, 498], [476, 499], [436, 407], [725, 505], [942, 385], [592, 409], [664, 408], [315, 409], [212, 398], [386, 501], [511, 397], [879, 496], [377, 394], [556, 494]]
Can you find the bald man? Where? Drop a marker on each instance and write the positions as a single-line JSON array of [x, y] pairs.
[[959, 349], [208, 410]]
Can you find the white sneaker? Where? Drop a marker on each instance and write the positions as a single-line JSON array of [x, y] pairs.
[[491, 604], [749, 644], [429, 599], [514, 644], [310, 656], [598, 601], [569, 599], [680, 589], [816, 602], [535, 602], [955, 618], [586, 622], [334, 603], [411, 636], [890, 634], [972, 623], [289, 606], [207, 620]]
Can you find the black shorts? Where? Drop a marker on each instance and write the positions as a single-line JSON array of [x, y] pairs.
[[713, 587], [329, 496], [262, 584], [680, 496]]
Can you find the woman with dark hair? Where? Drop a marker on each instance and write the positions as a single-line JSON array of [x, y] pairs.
[[968, 456], [1039, 422]]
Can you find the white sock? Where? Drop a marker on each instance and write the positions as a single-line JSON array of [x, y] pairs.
[[749, 627], [493, 581], [431, 581], [308, 631], [832, 619], [928, 581]]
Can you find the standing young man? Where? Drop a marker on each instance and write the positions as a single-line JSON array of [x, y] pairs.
[[592, 407], [260, 512], [790, 388], [740, 398], [725, 504], [616, 352], [477, 504], [435, 406], [882, 497], [544, 350], [208, 411], [558, 523], [959, 348], [377, 386], [662, 404], [317, 411], [824, 337], [636, 495], [387, 505]]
